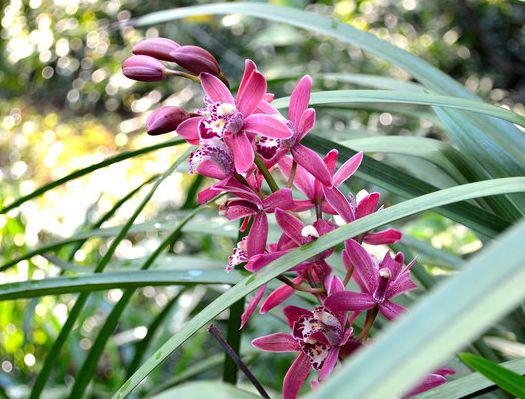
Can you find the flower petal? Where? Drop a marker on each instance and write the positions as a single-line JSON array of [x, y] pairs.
[[429, 382], [391, 310], [252, 305], [303, 180], [293, 313], [280, 199], [299, 100], [278, 342], [338, 201], [306, 124], [347, 300], [367, 205], [278, 296], [257, 262], [242, 150], [258, 235], [347, 169], [267, 125], [312, 162], [295, 377], [252, 93], [189, 130], [249, 67], [387, 236], [290, 225], [365, 266], [215, 89], [329, 363]]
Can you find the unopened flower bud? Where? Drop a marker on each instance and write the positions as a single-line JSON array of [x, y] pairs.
[[196, 60], [143, 68], [165, 119], [159, 48]]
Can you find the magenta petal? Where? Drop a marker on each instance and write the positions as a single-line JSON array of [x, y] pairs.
[[267, 125], [189, 130], [215, 89], [306, 124], [257, 262], [338, 201], [249, 67], [388, 236], [330, 160], [347, 169], [252, 93], [280, 199], [265, 107], [299, 100], [242, 150], [334, 284], [367, 205], [329, 363], [258, 235], [292, 313], [312, 162], [391, 310], [295, 377], [278, 342], [290, 225], [277, 297], [402, 284], [364, 265], [347, 300], [429, 382], [252, 305]]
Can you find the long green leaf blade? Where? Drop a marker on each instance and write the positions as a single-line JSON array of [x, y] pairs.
[[506, 379], [305, 252]]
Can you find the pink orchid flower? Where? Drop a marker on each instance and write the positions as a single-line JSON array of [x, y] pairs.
[[233, 120], [247, 204], [317, 336], [379, 283], [311, 187], [215, 161]]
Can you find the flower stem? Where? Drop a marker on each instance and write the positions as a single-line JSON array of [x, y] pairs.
[[292, 175], [266, 174], [299, 287], [369, 321], [181, 74], [348, 275]]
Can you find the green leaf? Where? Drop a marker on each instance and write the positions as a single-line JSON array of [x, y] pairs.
[[105, 281], [470, 384], [82, 172], [441, 323], [506, 379], [75, 311], [305, 252], [403, 97], [206, 390]]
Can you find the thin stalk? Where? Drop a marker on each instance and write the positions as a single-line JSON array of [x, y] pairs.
[[235, 357], [369, 321], [266, 174], [300, 287], [171, 72], [348, 275], [292, 175]]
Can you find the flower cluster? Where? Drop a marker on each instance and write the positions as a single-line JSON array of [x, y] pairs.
[[243, 141]]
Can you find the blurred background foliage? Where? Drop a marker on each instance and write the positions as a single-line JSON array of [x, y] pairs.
[[66, 105]]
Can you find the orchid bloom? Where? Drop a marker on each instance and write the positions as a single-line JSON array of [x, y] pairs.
[[316, 335], [247, 204], [233, 120], [432, 380], [379, 283], [313, 188]]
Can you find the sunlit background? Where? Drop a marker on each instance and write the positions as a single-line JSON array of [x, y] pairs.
[[65, 105]]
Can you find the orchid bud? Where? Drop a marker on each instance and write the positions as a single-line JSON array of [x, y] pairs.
[[144, 68], [159, 48], [165, 119], [196, 60]]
